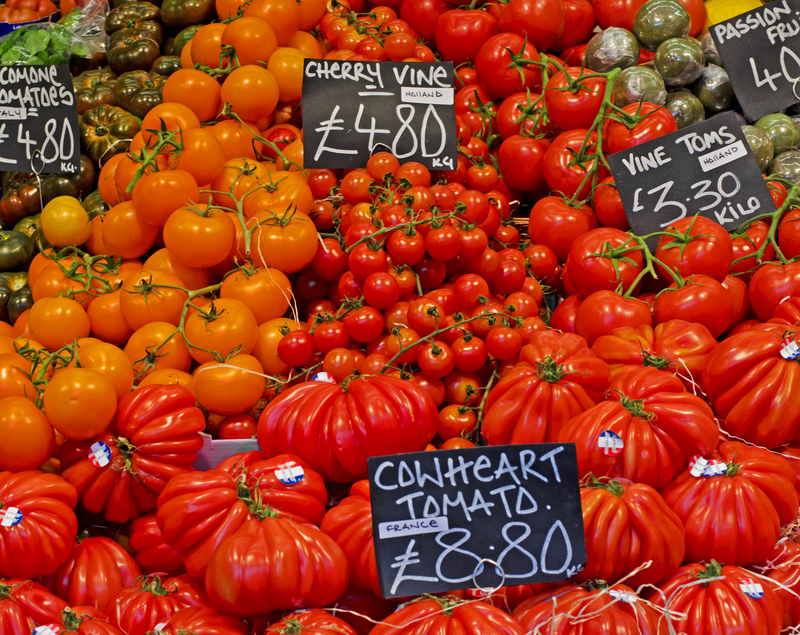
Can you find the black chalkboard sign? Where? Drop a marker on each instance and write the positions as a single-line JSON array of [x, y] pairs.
[[351, 109], [706, 168], [38, 120], [478, 517], [760, 50]]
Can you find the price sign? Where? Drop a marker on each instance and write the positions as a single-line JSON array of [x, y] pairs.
[[706, 168], [352, 109], [761, 52], [38, 120], [476, 518]]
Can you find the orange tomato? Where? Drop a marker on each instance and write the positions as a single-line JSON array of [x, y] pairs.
[[311, 12], [283, 191], [286, 65], [186, 56], [207, 45], [174, 116], [52, 282], [237, 139], [142, 345], [65, 222], [230, 388], [58, 321], [28, 437], [95, 245], [266, 292], [157, 195], [169, 377], [143, 300], [282, 15], [284, 240], [105, 318], [191, 277], [252, 38], [227, 8], [198, 237], [79, 403], [222, 326], [307, 44], [251, 91], [124, 234], [106, 182], [293, 153], [238, 176], [5, 329], [196, 90], [109, 361], [15, 383], [202, 155], [270, 333]]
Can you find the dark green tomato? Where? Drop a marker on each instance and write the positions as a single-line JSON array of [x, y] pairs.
[[782, 131], [20, 199], [639, 83], [710, 52], [659, 20], [685, 107], [106, 131], [76, 185], [139, 92], [713, 88], [16, 251], [93, 88], [760, 145], [95, 205], [136, 15], [78, 64], [40, 241], [612, 48], [178, 14], [787, 166], [182, 39], [29, 225], [679, 61], [166, 65], [12, 285], [135, 52]]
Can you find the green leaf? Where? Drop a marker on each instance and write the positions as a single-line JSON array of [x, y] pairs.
[[81, 50], [61, 39], [36, 40], [11, 57]]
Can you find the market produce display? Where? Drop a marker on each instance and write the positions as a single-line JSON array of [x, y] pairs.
[[193, 283]]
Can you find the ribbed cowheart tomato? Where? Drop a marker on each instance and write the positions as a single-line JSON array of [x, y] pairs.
[[203, 621], [444, 615], [25, 604]]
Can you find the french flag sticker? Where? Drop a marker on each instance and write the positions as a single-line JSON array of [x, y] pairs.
[[48, 629], [697, 465], [323, 376], [10, 516], [100, 454], [790, 349], [752, 589], [610, 442], [289, 473]]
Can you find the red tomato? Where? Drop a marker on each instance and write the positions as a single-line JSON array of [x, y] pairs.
[[540, 21], [608, 205], [523, 111], [203, 621], [619, 13], [449, 616], [521, 160], [701, 299], [651, 121], [570, 110], [695, 245], [561, 172], [603, 311], [591, 271], [150, 551], [557, 225], [579, 23], [501, 66], [460, 34], [770, 284]]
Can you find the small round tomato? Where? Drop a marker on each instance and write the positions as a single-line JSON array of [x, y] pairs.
[[296, 349], [251, 91], [79, 403], [564, 170], [501, 66], [239, 426], [435, 359], [65, 222], [503, 343], [456, 421], [231, 388], [339, 363]]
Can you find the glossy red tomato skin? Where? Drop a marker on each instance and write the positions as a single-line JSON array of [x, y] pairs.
[[735, 517], [203, 621], [275, 564], [150, 551], [603, 311], [705, 602], [589, 271], [164, 425], [747, 244], [557, 225], [656, 122], [42, 540], [652, 454], [608, 205], [406, 420], [627, 524], [770, 284], [521, 160], [573, 110], [460, 34], [532, 403], [25, 602], [560, 171], [750, 385], [708, 252], [579, 23], [541, 21], [702, 299], [563, 318], [470, 619], [495, 68], [619, 13]]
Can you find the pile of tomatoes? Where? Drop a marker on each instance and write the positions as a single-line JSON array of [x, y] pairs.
[[193, 280]]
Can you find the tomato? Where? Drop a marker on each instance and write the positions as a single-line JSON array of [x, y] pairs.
[[570, 110], [157, 195], [447, 615], [137, 609], [719, 586], [196, 90], [740, 304], [203, 621], [207, 46], [237, 427], [619, 514], [157, 346], [540, 21], [318, 565], [268, 337], [286, 66], [652, 121], [557, 378], [770, 284], [702, 299], [561, 172], [603, 311], [251, 90], [406, 420], [174, 116], [80, 403], [313, 622], [503, 343], [158, 428], [608, 205], [764, 485], [150, 295], [232, 388], [65, 222], [94, 571], [42, 539], [422, 16], [619, 13], [125, 235], [521, 161], [199, 237], [224, 325], [105, 317], [501, 66], [563, 611], [283, 16], [579, 23], [190, 505], [590, 271], [58, 321], [696, 245], [191, 277], [286, 241], [15, 383], [266, 292]]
